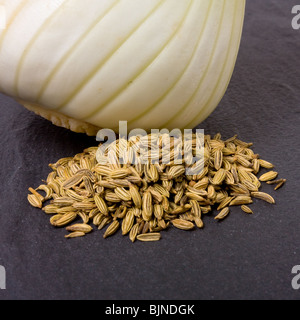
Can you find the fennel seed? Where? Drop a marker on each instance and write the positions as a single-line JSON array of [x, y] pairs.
[[223, 214], [246, 209], [75, 234], [144, 199]]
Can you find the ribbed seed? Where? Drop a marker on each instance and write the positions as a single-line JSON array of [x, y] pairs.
[[120, 173], [75, 234], [148, 237], [73, 181], [88, 185], [93, 213], [276, 181], [246, 209], [243, 161], [242, 143], [123, 194], [198, 222], [161, 190], [64, 210], [201, 184], [145, 228], [63, 201], [194, 196], [223, 214], [51, 177], [200, 192], [280, 184], [103, 170], [134, 232], [137, 212], [39, 196], [34, 201], [219, 177], [85, 218], [240, 188], [182, 224], [112, 197], [65, 219], [255, 166], [165, 203], [271, 175], [84, 205], [128, 222], [176, 171], [205, 209], [104, 221], [54, 186], [250, 186], [263, 196], [158, 211], [225, 203], [244, 175], [112, 229], [97, 219], [218, 159], [101, 205], [196, 210], [162, 224], [239, 200], [135, 195], [153, 173], [235, 175], [211, 192], [82, 227], [55, 218], [229, 178], [47, 190], [155, 194], [119, 182], [147, 206], [265, 164]]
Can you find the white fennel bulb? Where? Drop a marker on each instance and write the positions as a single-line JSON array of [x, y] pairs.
[[87, 65]]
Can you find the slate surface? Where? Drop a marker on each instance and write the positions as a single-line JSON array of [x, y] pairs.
[[244, 257]]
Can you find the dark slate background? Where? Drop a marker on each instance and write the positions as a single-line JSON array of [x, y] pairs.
[[243, 257]]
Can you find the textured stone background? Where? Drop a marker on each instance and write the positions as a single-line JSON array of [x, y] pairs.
[[244, 257]]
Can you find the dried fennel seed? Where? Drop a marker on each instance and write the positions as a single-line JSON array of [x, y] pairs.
[[75, 234], [279, 183], [222, 214], [144, 199], [246, 209]]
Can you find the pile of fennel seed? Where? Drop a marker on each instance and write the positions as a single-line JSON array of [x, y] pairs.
[[87, 192]]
